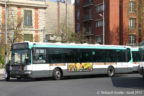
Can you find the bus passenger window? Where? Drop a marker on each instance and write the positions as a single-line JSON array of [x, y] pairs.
[[39, 56], [93, 52]]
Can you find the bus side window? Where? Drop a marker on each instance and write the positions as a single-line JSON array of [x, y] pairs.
[[121, 55], [111, 56], [99, 56], [136, 56], [93, 52], [39, 56], [128, 55]]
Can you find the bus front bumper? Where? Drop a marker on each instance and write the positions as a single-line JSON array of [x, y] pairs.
[[20, 74]]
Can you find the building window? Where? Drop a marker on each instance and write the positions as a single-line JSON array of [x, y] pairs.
[[47, 37], [62, 1], [132, 23], [88, 29], [99, 23], [132, 7], [28, 37], [27, 18], [99, 8], [132, 39], [78, 28], [78, 14], [50, 37], [99, 39], [77, 2]]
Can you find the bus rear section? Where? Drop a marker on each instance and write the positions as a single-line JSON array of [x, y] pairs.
[[141, 66]]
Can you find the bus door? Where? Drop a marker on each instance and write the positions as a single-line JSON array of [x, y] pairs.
[[123, 59], [141, 57], [40, 67]]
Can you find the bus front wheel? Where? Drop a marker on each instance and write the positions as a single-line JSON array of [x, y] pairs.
[[57, 74], [111, 71]]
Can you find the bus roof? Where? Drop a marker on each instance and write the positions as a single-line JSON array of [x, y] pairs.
[[73, 45], [135, 49]]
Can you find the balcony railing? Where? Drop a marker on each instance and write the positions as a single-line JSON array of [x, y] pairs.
[[89, 34], [88, 3], [87, 18], [88, 31]]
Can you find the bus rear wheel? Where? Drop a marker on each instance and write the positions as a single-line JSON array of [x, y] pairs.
[[111, 71], [57, 74]]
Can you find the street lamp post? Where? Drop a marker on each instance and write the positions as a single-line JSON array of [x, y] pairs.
[[66, 15], [103, 22], [58, 16], [6, 31]]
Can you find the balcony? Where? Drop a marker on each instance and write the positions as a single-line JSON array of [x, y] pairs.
[[87, 18], [88, 3], [89, 32]]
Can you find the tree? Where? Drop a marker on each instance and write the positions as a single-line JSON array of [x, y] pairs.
[[13, 33], [65, 34], [2, 59]]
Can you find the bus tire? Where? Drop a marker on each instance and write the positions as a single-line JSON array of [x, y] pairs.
[[57, 74], [111, 71]]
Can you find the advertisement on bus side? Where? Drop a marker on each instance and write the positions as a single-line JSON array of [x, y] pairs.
[[80, 67]]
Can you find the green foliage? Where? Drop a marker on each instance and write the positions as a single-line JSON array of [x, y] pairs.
[[2, 57]]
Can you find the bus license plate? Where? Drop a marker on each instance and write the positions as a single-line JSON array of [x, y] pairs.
[[15, 68]]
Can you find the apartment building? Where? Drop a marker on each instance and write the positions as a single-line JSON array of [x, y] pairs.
[[25, 18], [118, 21]]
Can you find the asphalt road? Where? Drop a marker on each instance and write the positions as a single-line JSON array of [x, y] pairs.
[[98, 85]]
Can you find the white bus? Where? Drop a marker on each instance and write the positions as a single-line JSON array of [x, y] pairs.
[[37, 60]]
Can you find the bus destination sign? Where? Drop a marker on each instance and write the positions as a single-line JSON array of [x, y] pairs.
[[20, 46]]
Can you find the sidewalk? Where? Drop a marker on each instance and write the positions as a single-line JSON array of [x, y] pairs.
[[2, 74], [1, 71]]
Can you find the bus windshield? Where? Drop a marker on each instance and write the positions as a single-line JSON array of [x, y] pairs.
[[20, 57]]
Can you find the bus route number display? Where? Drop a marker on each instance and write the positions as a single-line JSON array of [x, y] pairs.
[[20, 46]]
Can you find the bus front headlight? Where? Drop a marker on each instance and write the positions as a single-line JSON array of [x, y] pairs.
[[27, 72], [10, 68], [25, 68]]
